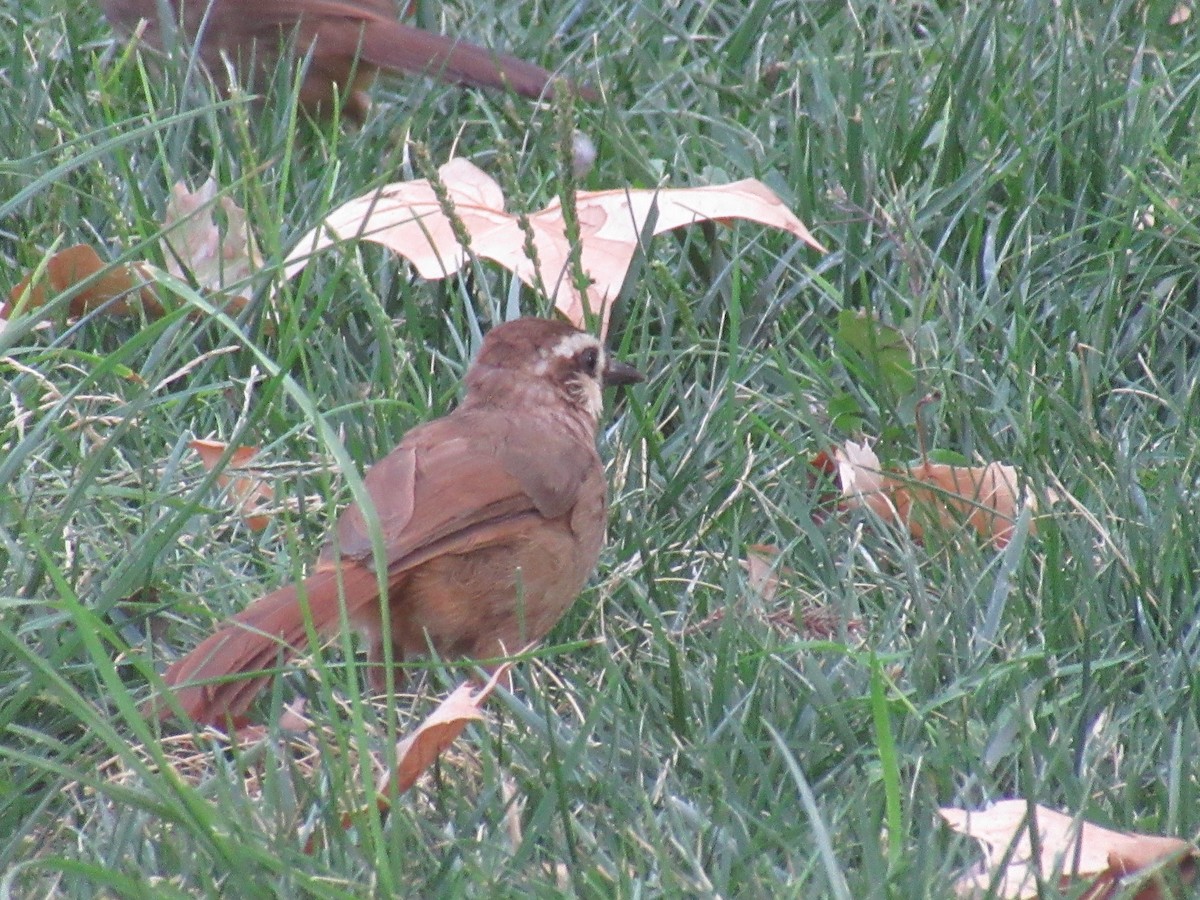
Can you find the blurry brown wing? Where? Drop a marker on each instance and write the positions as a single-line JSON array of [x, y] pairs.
[[453, 485], [368, 28], [273, 18]]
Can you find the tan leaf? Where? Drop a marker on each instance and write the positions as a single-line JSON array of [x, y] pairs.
[[407, 218], [863, 482], [218, 258], [125, 286], [434, 736], [247, 492], [122, 289], [1069, 848], [985, 497], [441, 728], [763, 576], [760, 568]]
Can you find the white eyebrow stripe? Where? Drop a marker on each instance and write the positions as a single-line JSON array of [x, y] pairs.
[[572, 344]]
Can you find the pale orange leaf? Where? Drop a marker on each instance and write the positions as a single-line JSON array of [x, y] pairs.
[[441, 728], [1069, 848], [862, 480], [124, 287], [760, 566], [987, 498], [217, 256], [407, 218], [247, 492]]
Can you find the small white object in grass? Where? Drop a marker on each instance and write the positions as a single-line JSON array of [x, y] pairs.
[[583, 154]]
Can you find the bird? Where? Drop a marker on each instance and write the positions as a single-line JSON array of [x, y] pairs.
[[492, 518], [350, 41]]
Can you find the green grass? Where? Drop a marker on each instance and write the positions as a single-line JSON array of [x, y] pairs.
[[1009, 184]]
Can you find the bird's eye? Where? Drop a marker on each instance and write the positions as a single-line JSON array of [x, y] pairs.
[[589, 359]]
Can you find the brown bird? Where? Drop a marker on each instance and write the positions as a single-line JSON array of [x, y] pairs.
[[491, 519], [350, 42]]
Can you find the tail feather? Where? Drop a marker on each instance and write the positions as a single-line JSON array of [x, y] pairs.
[[399, 47], [223, 675]]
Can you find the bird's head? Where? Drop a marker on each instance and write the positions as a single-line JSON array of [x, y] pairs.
[[537, 361]]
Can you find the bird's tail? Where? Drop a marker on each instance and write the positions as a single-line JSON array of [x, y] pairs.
[[399, 47], [223, 675]]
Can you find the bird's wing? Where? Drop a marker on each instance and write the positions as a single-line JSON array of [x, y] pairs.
[[402, 48], [455, 484], [285, 13], [370, 28]]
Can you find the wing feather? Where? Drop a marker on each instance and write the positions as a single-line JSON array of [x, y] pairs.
[[452, 487], [444, 490]]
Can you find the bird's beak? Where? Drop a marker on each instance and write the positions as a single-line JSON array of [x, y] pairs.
[[618, 373]]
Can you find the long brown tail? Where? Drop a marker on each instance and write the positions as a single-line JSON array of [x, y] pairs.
[[399, 47], [217, 680]]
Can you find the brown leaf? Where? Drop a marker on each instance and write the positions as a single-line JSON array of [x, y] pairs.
[[763, 576], [407, 218], [434, 736], [1070, 848], [927, 494], [862, 480], [985, 497], [441, 728], [217, 258], [125, 286], [120, 289], [248, 493], [760, 567]]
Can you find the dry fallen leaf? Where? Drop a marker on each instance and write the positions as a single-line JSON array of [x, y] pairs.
[[418, 751], [217, 258], [407, 218], [247, 492], [985, 497], [1070, 848], [441, 728], [761, 568], [764, 576], [126, 287], [926, 494], [293, 719], [863, 483]]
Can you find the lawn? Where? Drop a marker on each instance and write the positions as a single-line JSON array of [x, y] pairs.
[[1005, 188]]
